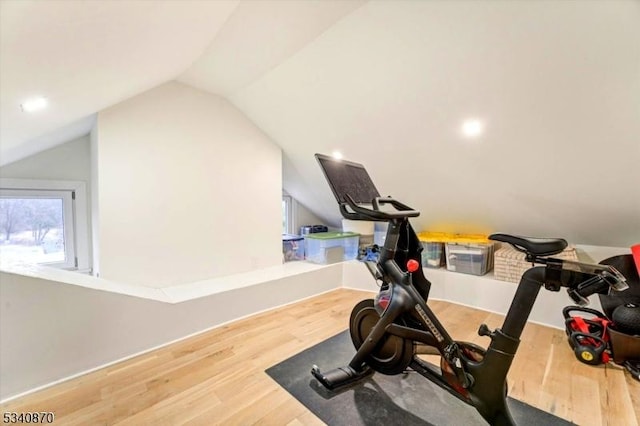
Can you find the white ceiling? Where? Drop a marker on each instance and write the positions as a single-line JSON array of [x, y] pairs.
[[556, 83], [386, 82], [259, 36], [84, 56]]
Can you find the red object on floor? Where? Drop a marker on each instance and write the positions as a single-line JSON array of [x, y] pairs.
[[635, 250]]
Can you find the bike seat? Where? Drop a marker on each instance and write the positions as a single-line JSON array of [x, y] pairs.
[[534, 246]]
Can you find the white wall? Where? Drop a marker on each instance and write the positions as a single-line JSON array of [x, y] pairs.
[[301, 215], [69, 161], [51, 330], [304, 216], [188, 189]]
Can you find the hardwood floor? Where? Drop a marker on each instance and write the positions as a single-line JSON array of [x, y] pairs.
[[218, 377]]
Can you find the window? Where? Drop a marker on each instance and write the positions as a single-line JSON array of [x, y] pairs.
[[287, 217], [43, 222]]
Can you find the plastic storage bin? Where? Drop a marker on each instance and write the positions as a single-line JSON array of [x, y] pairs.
[[331, 247], [363, 228], [465, 253], [475, 258], [432, 254], [292, 247], [433, 248]]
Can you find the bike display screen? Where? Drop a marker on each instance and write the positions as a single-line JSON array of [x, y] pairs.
[[345, 177]]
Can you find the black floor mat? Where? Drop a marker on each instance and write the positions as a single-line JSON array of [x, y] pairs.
[[406, 399]]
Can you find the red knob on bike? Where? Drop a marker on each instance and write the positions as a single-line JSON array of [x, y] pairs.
[[412, 265]]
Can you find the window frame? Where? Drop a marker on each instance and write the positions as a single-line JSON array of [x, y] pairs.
[[74, 195], [288, 213]]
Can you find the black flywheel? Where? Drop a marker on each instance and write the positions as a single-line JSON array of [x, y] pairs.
[[393, 354]]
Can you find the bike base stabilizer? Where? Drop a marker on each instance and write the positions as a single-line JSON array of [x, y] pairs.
[[339, 377]]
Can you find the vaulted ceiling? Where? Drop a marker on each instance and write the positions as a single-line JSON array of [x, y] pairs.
[[85, 56], [556, 86]]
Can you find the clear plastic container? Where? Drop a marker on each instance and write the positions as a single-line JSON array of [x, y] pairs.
[[466, 253], [469, 258], [292, 247], [432, 254], [331, 247]]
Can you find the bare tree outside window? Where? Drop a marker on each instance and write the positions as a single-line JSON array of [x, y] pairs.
[[32, 230], [10, 215]]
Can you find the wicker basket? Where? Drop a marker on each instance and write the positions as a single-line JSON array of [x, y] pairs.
[[509, 263]]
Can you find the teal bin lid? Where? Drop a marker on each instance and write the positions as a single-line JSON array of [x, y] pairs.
[[331, 235]]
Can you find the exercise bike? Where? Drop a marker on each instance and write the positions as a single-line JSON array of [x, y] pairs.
[[389, 331]]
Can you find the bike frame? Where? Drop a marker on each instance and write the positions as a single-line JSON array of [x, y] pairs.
[[487, 391], [478, 382]]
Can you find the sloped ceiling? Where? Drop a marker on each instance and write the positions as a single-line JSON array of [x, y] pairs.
[[388, 83], [84, 56], [557, 85], [258, 37]]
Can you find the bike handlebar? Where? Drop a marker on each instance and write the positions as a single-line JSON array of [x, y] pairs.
[[363, 213]]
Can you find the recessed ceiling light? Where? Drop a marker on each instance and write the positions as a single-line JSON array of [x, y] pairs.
[[472, 128], [34, 104], [337, 155]]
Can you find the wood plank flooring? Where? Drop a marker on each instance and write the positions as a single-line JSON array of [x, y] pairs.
[[218, 377]]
